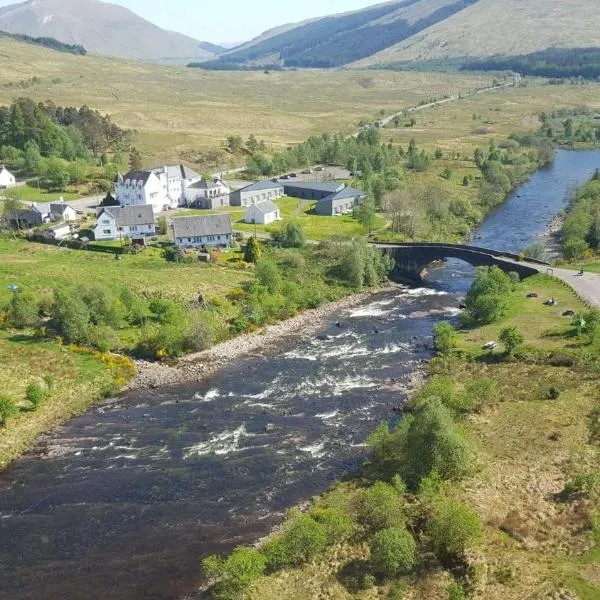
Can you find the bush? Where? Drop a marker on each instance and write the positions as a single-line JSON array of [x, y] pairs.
[[553, 393], [456, 592], [103, 338], [300, 540], [252, 251], [487, 299], [71, 316], [166, 312], [581, 485], [291, 236], [337, 525], [268, 274], [444, 337], [7, 409], [393, 552], [35, 393], [512, 339], [452, 528], [24, 309], [380, 507]]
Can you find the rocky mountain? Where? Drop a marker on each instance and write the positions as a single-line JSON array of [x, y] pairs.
[[103, 28]]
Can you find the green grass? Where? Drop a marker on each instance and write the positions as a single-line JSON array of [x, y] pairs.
[[316, 227], [28, 193], [42, 267]]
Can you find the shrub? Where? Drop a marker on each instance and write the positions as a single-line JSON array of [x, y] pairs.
[[291, 236], [553, 393], [479, 392], [24, 309], [71, 316], [444, 337], [453, 527], [393, 551], [581, 485], [7, 409], [268, 275], [380, 507], [103, 338], [337, 525], [396, 591], [488, 297], [456, 592], [512, 339], [252, 251], [301, 539], [35, 393], [165, 311]]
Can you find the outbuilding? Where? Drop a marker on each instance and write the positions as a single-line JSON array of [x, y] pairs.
[[263, 213]]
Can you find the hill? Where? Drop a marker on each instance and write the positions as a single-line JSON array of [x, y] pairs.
[[102, 28], [340, 39], [499, 28]]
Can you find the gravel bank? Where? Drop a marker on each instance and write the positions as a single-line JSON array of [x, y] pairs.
[[195, 367]]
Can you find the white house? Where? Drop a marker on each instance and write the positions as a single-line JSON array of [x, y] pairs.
[[61, 211], [60, 231], [207, 194], [161, 187], [263, 213], [7, 179], [120, 222], [196, 232]]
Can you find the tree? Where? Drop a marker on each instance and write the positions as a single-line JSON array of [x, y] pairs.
[[235, 143], [512, 338], [452, 528], [33, 158], [268, 274], [24, 309], [252, 144], [365, 213], [444, 337], [393, 552], [109, 200], [252, 251], [71, 315], [242, 568], [291, 236], [57, 175], [381, 506], [135, 160], [536, 251], [7, 409], [165, 311], [488, 297]]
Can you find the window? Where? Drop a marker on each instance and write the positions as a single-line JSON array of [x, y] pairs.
[[121, 229], [106, 231], [105, 222]]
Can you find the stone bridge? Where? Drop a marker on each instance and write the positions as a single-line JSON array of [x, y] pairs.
[[413, 258]]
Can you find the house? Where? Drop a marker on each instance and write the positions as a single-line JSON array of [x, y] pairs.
[[207, 194], [332, 198], [120, 222], [161, 187], [61, 211], [263, 213], [209, 230], [60, 231], [257, 192], [344, 201], [7, 179], [34, 216]]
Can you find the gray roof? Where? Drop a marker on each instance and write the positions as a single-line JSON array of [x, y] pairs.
[[266, 207], [142, 176], [202, 225], [206, 185], [180, 171], [328, 186], [126, 216], [265, 184], [58, 226], [58, 208], [347, 192]]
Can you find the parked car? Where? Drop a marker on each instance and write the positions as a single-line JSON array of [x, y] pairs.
[[319, 168], [285, 177], [307, 172], [293, 174]]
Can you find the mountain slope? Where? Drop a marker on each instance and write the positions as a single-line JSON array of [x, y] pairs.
[[500, 27], [340, 39], [104, 29]]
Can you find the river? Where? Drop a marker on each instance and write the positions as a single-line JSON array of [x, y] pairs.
[[123, 501]]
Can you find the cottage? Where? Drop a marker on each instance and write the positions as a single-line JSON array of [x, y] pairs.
[[257, 192], [60, 231], [61, 211], [344, 201], [161, 187], [120, 222], [263, 213], [7, 179], [209, 230], [207, 194], [34, 216]]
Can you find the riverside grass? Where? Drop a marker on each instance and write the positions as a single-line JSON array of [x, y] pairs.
[[535, 545]]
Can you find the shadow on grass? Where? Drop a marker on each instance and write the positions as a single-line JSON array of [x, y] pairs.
[[352, 575]]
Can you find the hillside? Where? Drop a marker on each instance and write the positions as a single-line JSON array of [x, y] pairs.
[[340, 39], [103, 28], [499, 27]]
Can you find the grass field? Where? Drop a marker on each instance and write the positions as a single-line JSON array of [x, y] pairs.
[[182, 113], [316, 227], [28, 193], [535, 546]]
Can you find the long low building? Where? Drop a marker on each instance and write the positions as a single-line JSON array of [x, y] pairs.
[[332, 198], [121, 222], [209, 231], [256, 192]]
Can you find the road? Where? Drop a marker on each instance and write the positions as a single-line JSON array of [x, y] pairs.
[[587, 285]]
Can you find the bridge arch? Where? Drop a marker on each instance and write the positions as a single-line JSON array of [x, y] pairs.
[[413, 258]]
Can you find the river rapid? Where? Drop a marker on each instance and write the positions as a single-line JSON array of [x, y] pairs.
[[123, 501]]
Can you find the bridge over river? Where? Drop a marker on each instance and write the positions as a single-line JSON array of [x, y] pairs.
[[412, 258]]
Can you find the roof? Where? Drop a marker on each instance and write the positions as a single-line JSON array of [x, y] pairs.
[[58, 227], [58, 208], [126, 216], [207, 185], [41, 207], [4, 169], [142, 176], [347, 192], [202, 225], [180, 171], [265, 184], [328, 186], [265, 207]]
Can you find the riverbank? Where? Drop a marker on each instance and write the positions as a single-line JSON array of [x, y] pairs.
[[197, 366]]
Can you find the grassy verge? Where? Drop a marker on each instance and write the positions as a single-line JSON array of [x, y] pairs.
[[28, 193], [537, 539]]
